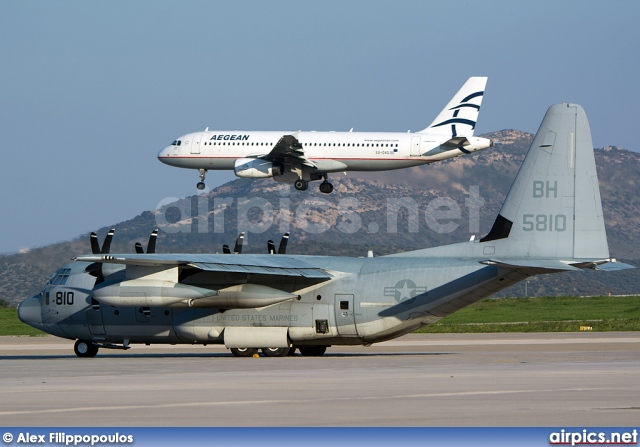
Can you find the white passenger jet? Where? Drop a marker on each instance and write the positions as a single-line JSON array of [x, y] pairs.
[[300, 157]]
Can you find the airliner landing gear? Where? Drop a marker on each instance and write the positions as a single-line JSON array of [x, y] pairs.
[[301, 185], [326, 187], [203, 173]]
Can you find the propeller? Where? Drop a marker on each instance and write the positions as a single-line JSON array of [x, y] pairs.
[[282, 249], [95, 269], [151, 246], [271, 247], [238, 247], [106, 245]]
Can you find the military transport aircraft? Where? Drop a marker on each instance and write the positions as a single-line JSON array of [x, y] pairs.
[[551, 221], [300, 157]]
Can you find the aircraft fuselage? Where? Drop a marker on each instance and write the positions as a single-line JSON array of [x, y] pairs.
[[330, 151], [367, 300]]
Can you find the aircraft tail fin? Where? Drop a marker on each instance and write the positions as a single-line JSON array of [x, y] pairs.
[[459, 117], [553, 209]]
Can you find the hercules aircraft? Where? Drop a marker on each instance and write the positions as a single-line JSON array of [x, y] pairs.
[[300, 157], [551, 222]]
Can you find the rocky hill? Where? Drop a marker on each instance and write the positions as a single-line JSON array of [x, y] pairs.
[[385, 212]]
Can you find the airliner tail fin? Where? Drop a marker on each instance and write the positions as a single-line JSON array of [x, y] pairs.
[[459, 117]]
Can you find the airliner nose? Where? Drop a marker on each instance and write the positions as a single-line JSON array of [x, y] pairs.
[[163, 154], [29, 311]]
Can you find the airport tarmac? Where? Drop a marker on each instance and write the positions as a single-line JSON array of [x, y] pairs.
[[551, 379]]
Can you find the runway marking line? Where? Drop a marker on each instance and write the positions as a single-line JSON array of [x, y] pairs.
[[287, 401]]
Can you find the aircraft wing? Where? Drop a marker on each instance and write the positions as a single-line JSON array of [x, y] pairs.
[[288, 150], [273, 265]]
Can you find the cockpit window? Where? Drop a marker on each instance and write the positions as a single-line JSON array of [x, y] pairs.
[[60, 277], [179, 142], [176, 143]]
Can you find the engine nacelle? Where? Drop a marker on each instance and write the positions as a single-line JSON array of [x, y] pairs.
[[158, 293], [256, 168], [149, 293]]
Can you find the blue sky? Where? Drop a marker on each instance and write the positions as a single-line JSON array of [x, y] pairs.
[[91, 91]]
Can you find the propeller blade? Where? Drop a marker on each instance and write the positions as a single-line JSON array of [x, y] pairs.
[[226, 250], [106, 245], [95, 269], [238, 248], [271, 247], [151, 247], [282, 249], [95, 246], [139, 249]]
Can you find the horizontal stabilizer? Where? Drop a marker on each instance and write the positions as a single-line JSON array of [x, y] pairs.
[[538, 264], [614, 266], [549, 265], [456, 142]]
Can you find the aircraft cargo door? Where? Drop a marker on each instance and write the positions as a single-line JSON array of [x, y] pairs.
[[415, 147], [345, 315], [195, 144]]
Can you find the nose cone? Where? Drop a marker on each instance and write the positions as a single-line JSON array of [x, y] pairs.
[[29, 312], [163, 155]]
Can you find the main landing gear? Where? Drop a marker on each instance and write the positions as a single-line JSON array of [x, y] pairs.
[[302, 185], [267, 352], [203, 173], [306, 351], [84, 348], [326, 187]]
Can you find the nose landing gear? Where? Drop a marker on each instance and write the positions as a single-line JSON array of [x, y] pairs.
[[200, 185]]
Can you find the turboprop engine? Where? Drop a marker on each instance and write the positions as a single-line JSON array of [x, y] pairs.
[[158, 293], [256, 168]]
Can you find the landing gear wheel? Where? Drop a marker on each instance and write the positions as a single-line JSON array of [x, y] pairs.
[[301, 185], [312, 351], [84, 348], [292, 352], [326, 187], [244, 352], [203, 174], [275, 352]]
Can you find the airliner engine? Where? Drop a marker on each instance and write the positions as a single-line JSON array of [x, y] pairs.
[[256, 168]]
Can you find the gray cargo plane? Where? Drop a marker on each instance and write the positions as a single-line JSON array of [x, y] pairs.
[[550, 222]]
